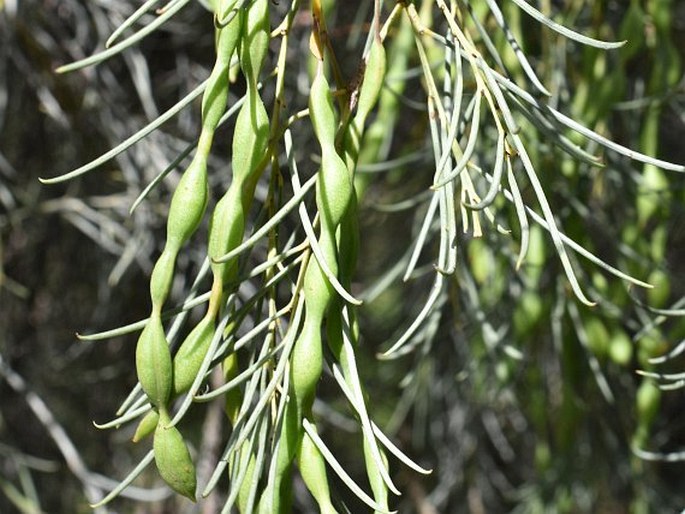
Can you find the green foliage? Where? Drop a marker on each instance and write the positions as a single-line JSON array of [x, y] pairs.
[[475, 146]]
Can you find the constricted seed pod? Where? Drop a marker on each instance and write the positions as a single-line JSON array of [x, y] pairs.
[[255, 42], [191, 353], [216, 94], [162, 277], [313, 470], [173, 458], [188, 203], [321, 109], [153, 363], [307, 358]]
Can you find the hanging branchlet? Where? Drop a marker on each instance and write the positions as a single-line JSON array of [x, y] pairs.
[[282, 308]]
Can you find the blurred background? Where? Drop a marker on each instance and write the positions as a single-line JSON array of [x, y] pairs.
[[547, 415]]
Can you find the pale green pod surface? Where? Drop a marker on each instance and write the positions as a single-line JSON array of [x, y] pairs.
[[334, 188], [349, 242], [313, 470], [233, 398], [188, 203], [334, 331], [224, 6], [162, 277], [153, 362], [278, 498], [173, 458], [256, 38], [250, 138], [191, 353], [307, 358], [146, 426], [374, 75], [318, 291], [321, 109], [225, 231], [647, 402], [214, 98]]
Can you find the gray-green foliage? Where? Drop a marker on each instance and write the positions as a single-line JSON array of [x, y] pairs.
[[496, 136]]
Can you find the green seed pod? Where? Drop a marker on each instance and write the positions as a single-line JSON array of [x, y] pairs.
[[188, 203], [349, 242], [255, 41], [374, 75], [173, 459], [146, 426], [334, 190], [597, 336], [621, 348], [162, 277], [277, 496], [647, 402], [153, 362], [225, 233], [318, 291], [223, 8], [214, 98], [250, 139], [334, 187], [321, 109], [191, 353], [313, 470], [250, 142], [659, 294], [233, 398], [307, 358]]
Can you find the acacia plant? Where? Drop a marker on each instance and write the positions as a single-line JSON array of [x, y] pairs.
[[493, 163]]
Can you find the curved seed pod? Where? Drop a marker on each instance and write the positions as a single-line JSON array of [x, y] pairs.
[[153, 362], [188, 204], [250, 141], [333, 194], [146, 426], [173, 459], [216, 94], [191, 353]]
